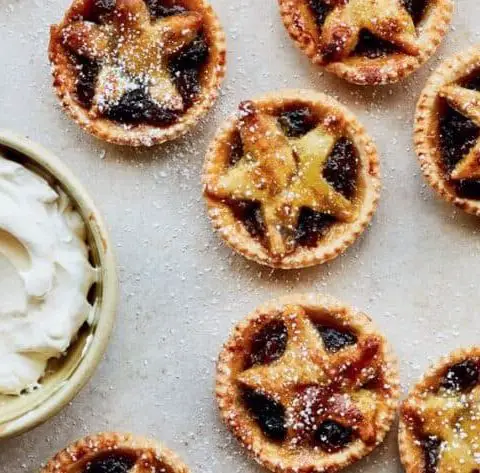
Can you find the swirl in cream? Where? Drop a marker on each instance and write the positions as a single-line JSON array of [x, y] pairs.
[[45, 276]]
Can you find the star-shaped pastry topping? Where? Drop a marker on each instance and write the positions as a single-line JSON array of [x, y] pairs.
[[386, 19], [454, 419], [133, 50], [467, 103], [283, 175], [315, 385]]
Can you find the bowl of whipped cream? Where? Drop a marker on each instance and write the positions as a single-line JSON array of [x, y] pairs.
[[58, 285]]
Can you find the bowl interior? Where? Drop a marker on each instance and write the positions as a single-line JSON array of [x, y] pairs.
[[66, 375]]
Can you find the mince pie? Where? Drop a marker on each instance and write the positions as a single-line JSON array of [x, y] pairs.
[[292, 180], [368, 42], [115, 453], [137, 72], [447, 130], [440, 419], [307, 384]]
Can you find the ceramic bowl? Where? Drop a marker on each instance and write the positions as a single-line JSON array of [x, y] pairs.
[[67, 375]]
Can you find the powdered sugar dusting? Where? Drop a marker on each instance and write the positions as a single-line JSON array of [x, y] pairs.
[[182, 290]]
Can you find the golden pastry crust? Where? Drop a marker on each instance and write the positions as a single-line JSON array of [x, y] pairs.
[[304, 357], [391, 68], [427, 120], [65, 76], [149, 456], [341, 234], [411, 450]]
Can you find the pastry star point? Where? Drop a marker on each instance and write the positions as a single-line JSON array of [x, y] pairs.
[[298, 365]]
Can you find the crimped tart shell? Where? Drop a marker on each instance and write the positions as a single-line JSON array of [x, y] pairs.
[[384, 70], [410, 452], [238, 420], [64, 78], [342, 235], [86, 449], [427, 143]]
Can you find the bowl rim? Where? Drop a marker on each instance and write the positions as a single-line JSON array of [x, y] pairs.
[[51, 406]]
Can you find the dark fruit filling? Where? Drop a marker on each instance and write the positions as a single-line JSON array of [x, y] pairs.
[[416, 9], [96, 8], [185, 68], [372, 47], [334, 339], [296, 122], [468, 189], [320, 11], [104, 6], [342, 167], [111, 463], [462, 376], [473, 82], [312, 226], [236, 149], [250, 213], [268, 344], [458, 135], [269, 414], [332, 436], [431, 448], [136, 107], [160, 9], [87, 76]]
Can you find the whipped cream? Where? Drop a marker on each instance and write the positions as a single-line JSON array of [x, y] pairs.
[[45, 276]]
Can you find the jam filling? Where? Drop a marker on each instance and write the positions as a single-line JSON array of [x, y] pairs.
[[164, 8], [236, 149], [269, 344], [332, 436], [312, 226], [462, 376], [157, 8], [431, 448], [458, 135], [341, 168], [112, 463], [87, 76], [334, 339], [296, 123], [269, 414], [96, 8], [185, 69], [320, 10], [473, 81], [372, 47], [416, 9], [250, 214], [137, 107]]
